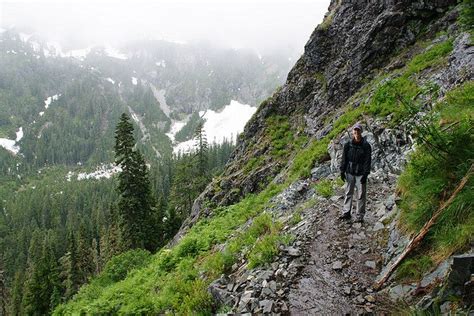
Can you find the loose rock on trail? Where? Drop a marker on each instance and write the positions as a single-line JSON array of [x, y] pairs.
[[343, 258]]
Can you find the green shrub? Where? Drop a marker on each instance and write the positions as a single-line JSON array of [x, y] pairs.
[[189, 247], [264, 250], [119, 266], [325, 188], [435, 169], [467, 14]]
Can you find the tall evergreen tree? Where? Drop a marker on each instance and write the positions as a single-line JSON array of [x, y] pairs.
[[3, 289], [69, 268], [42, 285], [200, 140], [15, 306], [136, 211]]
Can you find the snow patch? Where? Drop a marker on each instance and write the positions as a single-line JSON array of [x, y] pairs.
[[48, 100], [160, 97], [176, 126], [10, 144], [77, 53], [142, 126], [134, 81], [52, 49], [218, 126], [19, 134], [157, 153], [111, 80], [103, 171], [112, 52], [41, 113], [161, 63]]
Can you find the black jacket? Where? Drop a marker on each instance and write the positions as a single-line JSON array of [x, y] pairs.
[[356, 157]]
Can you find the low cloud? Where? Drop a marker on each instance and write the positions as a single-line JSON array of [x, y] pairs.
[[260, 24]]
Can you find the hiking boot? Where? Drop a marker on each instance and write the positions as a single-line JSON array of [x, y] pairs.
[[345, 216]]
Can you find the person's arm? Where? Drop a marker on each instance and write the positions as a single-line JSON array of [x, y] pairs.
[[368, 160], [344, 161]]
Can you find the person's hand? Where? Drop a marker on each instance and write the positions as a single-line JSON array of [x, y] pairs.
[[343, 176], [364, 178]]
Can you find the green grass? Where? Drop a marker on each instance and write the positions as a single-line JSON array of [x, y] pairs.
[[295, 217], [433, 57], [413, 269], [281, 136], [467, 16], [432, 175], [176, 279], [322, 79], [385, 99], [325, 188], [253, 163]]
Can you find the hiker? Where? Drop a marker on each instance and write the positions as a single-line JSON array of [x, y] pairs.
[[355, 168]]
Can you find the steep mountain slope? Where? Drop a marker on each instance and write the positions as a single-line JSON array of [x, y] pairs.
[[58, 112], [263, 236]]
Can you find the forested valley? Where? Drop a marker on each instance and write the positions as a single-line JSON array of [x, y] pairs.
[[62, 193]]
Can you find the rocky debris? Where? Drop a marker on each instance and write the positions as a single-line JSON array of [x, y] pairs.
[[390, 147], [295, 193], [370, 264], [460, 67], [337, 265], [378, 226], [261, 290], [293, 252], [321, 171], [396, 241], [453, 279], [400, 291]]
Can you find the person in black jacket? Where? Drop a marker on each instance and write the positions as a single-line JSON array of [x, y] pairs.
[[355, 168]]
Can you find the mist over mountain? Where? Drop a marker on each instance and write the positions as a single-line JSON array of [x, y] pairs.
[[263, 26]]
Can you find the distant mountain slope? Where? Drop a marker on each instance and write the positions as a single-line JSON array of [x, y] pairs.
[[156, 82]]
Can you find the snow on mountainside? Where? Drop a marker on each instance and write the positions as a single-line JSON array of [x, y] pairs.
[[12, 145], [103, 171], [218, 126]]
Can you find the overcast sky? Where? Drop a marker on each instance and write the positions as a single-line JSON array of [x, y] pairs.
[[259, 24]]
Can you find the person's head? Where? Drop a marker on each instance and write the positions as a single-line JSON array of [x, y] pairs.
[[357, 132]]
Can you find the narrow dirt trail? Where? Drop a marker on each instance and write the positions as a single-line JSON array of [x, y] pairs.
[[344, 259]]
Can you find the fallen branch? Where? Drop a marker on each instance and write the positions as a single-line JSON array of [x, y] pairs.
[[414, 242]]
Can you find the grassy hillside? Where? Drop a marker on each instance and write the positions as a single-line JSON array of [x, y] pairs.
[[175, 280]]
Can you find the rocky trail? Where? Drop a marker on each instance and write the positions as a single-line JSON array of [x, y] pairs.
[[330, 266], [341, 259]]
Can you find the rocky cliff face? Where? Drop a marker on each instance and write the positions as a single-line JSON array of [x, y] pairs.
[[354, 43], [331, 266]]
